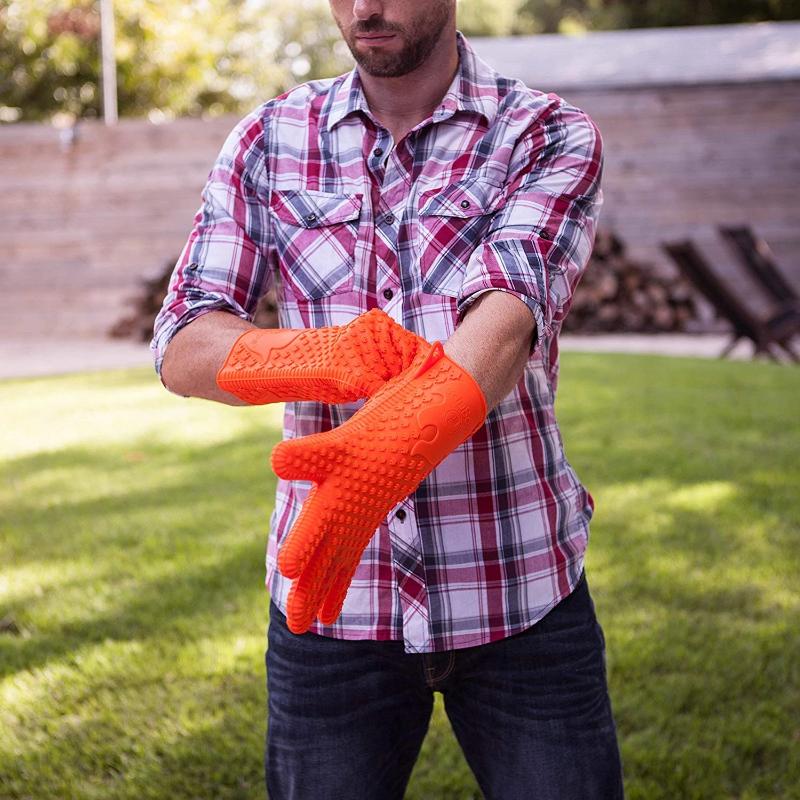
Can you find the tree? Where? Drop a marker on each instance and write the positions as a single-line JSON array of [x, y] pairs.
[[174, 57], [552, 16]]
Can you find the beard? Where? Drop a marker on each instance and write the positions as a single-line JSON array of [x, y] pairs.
[[418, 40]]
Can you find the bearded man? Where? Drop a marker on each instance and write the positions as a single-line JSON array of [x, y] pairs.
[[424, 221]]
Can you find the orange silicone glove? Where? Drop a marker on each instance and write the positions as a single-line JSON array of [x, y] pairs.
[[334, 364], [364, 467]]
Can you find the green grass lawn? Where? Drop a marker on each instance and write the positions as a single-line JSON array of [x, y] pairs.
[[132, 533]]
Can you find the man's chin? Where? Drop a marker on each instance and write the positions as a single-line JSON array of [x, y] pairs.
[[378, 64], [379, 67], [381, 70]]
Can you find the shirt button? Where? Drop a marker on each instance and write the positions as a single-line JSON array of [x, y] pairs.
[[389, 219], [388, 293], [377, 152], [545, 235], [401, 514], [310, 217], [465, 204]]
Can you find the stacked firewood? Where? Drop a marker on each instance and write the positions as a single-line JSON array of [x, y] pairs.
[[617, 294], [138, 324]]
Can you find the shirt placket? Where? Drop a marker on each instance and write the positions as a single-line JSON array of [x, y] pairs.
[[390, 199], [409, 574], [390, 177]]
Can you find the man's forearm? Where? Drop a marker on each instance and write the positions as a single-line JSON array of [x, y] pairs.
[[493, 342], [196, 352]]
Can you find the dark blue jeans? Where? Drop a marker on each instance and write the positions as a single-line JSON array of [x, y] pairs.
[[531, 712]]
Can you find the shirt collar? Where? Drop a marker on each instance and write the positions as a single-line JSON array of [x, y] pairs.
[[473, 89]]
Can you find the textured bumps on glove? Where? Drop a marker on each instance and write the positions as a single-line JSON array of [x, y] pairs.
[[332, 364], [362, 469]]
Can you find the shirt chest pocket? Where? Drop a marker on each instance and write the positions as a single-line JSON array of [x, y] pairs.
[[315, 235], [452, 223]]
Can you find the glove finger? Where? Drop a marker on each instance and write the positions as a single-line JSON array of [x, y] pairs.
[[303, 540], [385, 356], [334, 600], [347, 562], [308, 458], [309, 590]]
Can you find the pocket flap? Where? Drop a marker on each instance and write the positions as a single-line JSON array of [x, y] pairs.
[[470, 197], [308, 208]]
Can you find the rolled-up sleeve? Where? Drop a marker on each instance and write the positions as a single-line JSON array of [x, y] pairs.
[[224, 263], [539, 241]]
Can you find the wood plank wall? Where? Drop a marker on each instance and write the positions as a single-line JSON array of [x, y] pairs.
[[682, 160], [80, 226]]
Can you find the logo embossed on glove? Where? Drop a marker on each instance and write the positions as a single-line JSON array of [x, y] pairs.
[[458, 415]]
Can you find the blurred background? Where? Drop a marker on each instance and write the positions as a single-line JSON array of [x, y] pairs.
[[132, 611], [698, 103]]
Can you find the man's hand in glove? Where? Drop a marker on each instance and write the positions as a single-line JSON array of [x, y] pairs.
[[333, 364], [362, 469]]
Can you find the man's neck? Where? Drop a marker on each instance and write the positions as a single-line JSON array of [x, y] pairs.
[[401, 103]]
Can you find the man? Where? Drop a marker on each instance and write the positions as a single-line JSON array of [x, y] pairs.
[[424, 189]]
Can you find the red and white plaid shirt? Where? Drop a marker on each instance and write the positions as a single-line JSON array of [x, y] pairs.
[[499, 189]]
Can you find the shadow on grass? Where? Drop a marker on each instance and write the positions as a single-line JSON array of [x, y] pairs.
[[178, 550], [180, 604]]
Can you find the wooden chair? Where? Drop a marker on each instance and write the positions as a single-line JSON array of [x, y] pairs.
[[776, 328], [758, 259]]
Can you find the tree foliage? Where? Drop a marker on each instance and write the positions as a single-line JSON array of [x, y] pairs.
[[189, 57], [174, 57], [566, 16]]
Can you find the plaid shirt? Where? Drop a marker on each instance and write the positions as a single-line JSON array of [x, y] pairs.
[[499, 189]]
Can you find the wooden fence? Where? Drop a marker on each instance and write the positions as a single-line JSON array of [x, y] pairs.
[[82, 224]]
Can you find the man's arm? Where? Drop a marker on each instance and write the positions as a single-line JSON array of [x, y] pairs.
[[197, 351], [493, 342], [536, 248], [221, 273], [522, 276]]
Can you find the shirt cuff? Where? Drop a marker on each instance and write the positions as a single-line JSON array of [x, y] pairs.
[[514, 266], [164, 335]]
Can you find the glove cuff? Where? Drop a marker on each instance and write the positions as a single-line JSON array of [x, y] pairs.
[[279, 364], [331, 364], [468, 400]]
